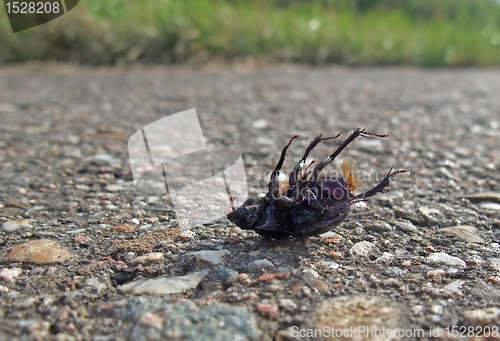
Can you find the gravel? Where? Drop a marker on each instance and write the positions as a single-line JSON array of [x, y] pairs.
[[85, 256]]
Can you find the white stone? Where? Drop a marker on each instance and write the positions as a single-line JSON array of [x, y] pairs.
[[364, 249], [385, 258], [214, 257], [446, 259], [309, 275], [259, 124], [13, 225], [492, 206], [187, 234], [9, 275], [437, 309], [165, 285]]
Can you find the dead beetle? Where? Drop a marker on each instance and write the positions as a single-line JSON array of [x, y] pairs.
[[308, 204]]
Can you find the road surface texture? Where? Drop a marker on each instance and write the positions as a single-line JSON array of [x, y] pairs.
[[85, 256]]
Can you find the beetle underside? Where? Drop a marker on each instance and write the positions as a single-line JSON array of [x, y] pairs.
[[308, 204]]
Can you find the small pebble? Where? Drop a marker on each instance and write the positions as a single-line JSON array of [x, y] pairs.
[[151, 319], [309, 275], [446, 259], [320, 286], [364, 249], [385, 258], [214, 257], [436, 275], [236, 230], [266, 276], [125, 228], [494, 279], [269, 309], [187, 234], [437, 309], [261, 264], [394, 271], [242, 277], [259, 124], [287, 304], [153, 257], [13, 225], [9, 275]]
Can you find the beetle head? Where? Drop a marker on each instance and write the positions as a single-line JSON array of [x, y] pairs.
[[248, 215]]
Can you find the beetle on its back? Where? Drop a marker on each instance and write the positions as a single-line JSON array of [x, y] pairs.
[[309, 204]]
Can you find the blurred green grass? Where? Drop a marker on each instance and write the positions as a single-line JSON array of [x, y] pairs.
[[427, 33]]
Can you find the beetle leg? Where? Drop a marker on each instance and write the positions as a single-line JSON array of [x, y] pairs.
[[349, 139], [274, 181], [386, 181], [298, 167]]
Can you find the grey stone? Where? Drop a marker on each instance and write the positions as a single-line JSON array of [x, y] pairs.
[[464, 232], [378, 226], [453, 288], [158, 319]]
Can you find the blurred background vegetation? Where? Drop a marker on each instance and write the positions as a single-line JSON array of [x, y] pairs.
[[427, 33]]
